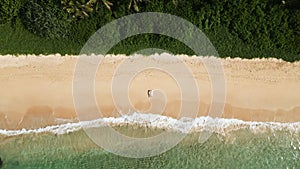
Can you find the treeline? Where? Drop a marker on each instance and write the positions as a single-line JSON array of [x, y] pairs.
[[243, 28]]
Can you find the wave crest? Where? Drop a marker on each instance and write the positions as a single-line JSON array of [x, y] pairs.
[[184, 125]]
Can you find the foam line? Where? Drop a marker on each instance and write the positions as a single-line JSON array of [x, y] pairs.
[[184, 125]]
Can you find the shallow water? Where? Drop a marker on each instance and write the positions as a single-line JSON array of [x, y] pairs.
[[238, 148]]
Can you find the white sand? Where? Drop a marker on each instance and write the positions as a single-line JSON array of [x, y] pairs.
[[35, 91]]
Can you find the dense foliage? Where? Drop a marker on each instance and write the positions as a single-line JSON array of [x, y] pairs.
[[83, 8], [9, 10], [244, 28], [45, 18]]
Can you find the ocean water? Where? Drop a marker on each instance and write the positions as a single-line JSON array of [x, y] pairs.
[[233, 144]]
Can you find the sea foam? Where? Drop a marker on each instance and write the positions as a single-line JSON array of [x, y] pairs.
[[184, 125]]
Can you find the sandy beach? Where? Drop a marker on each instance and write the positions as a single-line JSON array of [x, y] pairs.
[[36, 91]]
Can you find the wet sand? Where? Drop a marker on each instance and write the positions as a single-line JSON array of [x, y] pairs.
[[37, 91]]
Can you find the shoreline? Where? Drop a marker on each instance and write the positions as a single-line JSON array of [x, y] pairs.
[[219, 126], [37, 90]]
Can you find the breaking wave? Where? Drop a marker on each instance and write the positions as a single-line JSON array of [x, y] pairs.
[[184, 125]]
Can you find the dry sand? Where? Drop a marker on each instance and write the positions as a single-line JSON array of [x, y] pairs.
[[37, 91]]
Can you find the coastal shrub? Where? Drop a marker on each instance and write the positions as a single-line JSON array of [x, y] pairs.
[[9, 10], [83, 8], [80, 30], [292, 4], [45, 18], [270, 24], [243, 28]]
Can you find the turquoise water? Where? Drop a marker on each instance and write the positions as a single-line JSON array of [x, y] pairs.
[[241, 148]]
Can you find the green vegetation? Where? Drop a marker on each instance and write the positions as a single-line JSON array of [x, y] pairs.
[[9, 10], [45, 18], [238, 28], [82, 9], [17, 40]]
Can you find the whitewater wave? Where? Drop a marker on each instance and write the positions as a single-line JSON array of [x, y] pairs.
[[184, 125]]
